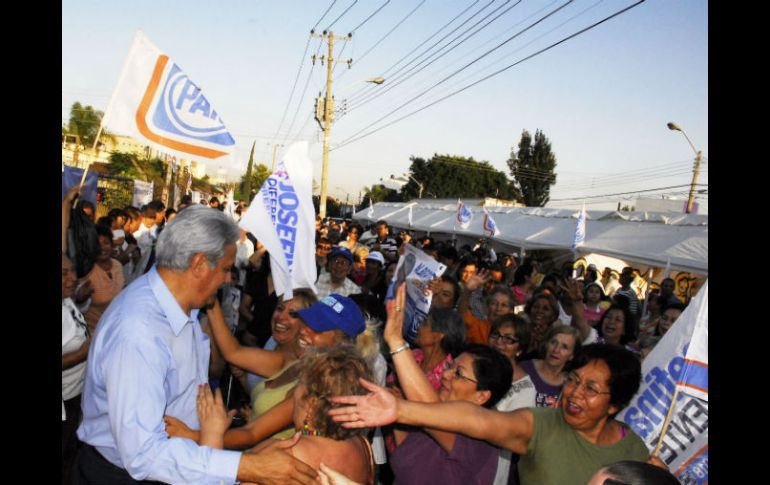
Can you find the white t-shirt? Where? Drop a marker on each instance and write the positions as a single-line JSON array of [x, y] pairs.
[[73, 334], [520, 395]]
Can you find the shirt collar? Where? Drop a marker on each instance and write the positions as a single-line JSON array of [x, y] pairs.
[[176, 316]]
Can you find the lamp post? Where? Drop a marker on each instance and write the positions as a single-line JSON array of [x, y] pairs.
[[419, 184], [696, 170]]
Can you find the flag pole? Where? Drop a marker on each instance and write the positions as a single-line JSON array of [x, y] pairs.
[[666, 423]]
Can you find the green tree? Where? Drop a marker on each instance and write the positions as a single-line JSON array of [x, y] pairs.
[[532, 168], [450, 176], [258, 177], [84, 121], [246, 182], [379, 193], [132, 166]]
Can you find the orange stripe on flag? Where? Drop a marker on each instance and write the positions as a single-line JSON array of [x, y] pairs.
[[141, 114], [692, 459], [697, 362]]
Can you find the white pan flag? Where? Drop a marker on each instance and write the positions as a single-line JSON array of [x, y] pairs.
[[677, 365], [282, 217], [370, 212], [580, 229], [464, 215], [156, 102]]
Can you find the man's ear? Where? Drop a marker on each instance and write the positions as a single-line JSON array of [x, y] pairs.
[[199, 264]]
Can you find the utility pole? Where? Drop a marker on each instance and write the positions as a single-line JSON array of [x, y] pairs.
[[695, 173], [272, 167], [328, 113]]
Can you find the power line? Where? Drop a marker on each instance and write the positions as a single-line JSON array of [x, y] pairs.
[[406, 75], [624, 193], [460, 70], [387, 34], [341, 15], [304, 91], [370, 16], [353, 138], [324, 15], [420, 45], [394, 74]]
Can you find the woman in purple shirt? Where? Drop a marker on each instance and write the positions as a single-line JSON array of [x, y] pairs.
[[479, 375]]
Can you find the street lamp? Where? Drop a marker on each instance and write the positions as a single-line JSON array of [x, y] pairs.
[[419, 184], [696, 170]]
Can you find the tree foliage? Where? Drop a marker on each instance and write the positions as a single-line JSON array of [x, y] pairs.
[[532, 168], [449, 176], [380, 193], [259, 174], [132, 166], [84, 121]]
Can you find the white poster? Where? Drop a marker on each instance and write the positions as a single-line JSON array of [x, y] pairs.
[[416, 268], [142, 193]]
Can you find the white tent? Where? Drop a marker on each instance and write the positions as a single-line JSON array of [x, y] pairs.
[[647, 238]]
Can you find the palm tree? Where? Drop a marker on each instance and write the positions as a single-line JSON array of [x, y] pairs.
[[84, 121]]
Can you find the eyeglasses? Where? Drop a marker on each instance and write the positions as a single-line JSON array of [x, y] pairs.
[[507, 339], [324, 248], [590, 391], [453, 367]]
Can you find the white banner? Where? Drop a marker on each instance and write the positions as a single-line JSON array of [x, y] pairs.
[[282, 217], [156, 102], [142, 193], [679, 359], [416, 268]]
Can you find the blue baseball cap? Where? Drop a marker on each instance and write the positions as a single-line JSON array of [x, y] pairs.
[[344, 252], [334, 312]]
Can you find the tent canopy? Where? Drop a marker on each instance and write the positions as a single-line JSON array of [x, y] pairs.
[[651, 238]]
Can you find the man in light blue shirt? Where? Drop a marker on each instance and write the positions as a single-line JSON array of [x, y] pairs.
[[148, 357]]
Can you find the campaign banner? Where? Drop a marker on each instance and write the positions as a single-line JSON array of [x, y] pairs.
[[71, 176], [416, 268], [142, 193], [155, 101], [678, 361], [281, 216]]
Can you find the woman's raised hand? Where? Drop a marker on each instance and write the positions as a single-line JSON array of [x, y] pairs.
[[378, 408], [393, 332]]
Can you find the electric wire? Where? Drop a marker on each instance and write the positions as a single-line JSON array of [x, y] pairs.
[[416, 69], [354, 138], [383, 74], [340, 16]]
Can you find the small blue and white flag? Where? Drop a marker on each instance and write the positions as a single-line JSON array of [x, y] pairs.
[[370, 212], [464, 215], [580, 229], [489, 224]]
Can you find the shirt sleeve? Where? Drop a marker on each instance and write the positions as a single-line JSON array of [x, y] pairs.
[[136, 373]]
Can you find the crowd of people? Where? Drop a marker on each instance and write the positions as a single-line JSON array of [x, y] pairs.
[[181, 364]]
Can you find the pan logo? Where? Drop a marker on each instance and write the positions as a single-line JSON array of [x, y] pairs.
[[182, 118], [183, 110]]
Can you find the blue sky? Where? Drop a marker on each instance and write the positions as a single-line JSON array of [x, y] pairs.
[[602, 98]]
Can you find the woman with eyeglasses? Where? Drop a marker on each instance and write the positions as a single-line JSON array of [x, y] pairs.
[[564, 445], [479, 376], [510, 334]]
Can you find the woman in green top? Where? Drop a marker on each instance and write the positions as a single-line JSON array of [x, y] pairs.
[[565, 445]]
